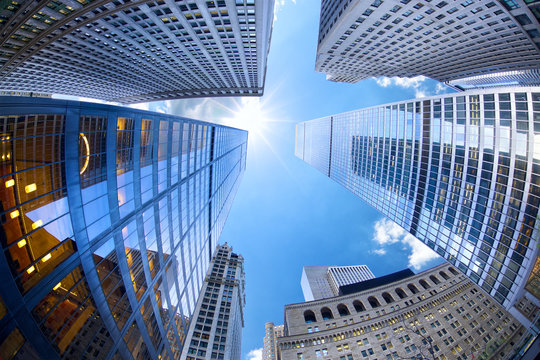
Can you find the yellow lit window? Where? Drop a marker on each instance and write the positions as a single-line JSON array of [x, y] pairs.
[[30, 188], [37, 224], [30, 269], [57, 286], [10, 183], [14, 214], [46, 257], [21, 243]]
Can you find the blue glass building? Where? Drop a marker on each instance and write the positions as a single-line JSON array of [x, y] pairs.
[[110, 217], [461, 172]]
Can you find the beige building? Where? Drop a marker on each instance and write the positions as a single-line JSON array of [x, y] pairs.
[[271, 334], [438, 314]]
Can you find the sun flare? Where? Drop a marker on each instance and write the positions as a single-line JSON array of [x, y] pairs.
[[249, 115]]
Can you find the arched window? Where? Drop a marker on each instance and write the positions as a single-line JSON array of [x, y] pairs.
[[358, 306], [326, 313], [373, 302], [434, 279], [424, 284], [453, 271], [343, 310], [444, 276], [413, 288], [387, 297], [309, 316], [401, 293]]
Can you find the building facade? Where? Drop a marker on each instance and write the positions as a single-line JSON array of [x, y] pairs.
[[319, 282], [460, 172], [216, 329], [110, 217], [136, 51], [362, 39], [271, 334], [438, 314]]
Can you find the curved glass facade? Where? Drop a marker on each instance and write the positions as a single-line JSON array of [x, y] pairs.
[[461, 172], [110, 217]]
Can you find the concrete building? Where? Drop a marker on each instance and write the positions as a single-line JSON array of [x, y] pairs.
[[363, 39], [138, 51], [319, 282], [271, 334], [110, 217], [461, 172], [216, 329], [438, 314]]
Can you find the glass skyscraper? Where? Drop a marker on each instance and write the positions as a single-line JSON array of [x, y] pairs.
[[110, 217], [461, 172]]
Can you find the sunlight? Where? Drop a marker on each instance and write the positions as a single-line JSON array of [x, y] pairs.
[[249, 116]]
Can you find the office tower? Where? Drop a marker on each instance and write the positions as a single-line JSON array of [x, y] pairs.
[[443, 40], [138, 51], [110, 217], [271, 334], [319, 282], [460, 172], [437, 314], [216, 329]]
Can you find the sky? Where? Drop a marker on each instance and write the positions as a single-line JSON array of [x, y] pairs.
[[287, 215]]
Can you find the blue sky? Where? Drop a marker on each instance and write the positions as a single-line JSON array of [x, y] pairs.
[[287, 215]]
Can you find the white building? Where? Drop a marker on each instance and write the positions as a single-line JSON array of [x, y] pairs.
[[443, 40], [136, 51], [321, 282]]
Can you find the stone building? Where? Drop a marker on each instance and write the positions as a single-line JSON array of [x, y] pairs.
[[216, 329], [271, 334], [437, 314]]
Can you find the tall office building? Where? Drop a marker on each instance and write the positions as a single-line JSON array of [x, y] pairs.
[[443, 40], [135, 51], [438, 314], [320, 282], [110, 217], [216, 329], [461, 172], [271, 334]]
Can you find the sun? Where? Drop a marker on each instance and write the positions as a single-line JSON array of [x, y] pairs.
[[249, 115]]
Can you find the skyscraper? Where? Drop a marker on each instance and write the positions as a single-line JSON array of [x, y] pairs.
[[136, 51], [110, 217], [362, 39], [436, 314], [216, 329], [461, 172], [319, 282], [271, 334]]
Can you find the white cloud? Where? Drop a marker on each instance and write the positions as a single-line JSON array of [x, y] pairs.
[[387, 232], [440, 88], [255, 354], [415, 83], [420, 253]]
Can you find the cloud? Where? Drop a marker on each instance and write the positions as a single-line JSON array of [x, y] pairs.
[[255, 354], [440, 88], [387, 232], [416, 83], [420, 253]]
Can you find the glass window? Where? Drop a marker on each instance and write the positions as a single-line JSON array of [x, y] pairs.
[[68, 317]]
